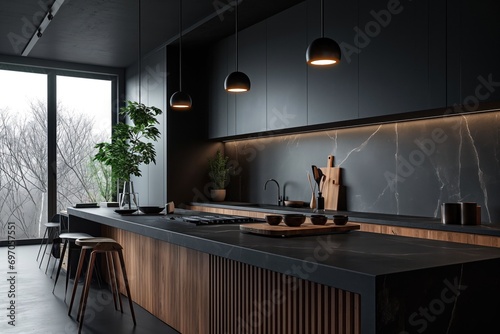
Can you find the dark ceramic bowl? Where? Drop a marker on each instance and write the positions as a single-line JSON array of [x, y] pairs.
[[151, 209], [318, 219], [274, 219], [294, 220], [340, 219]]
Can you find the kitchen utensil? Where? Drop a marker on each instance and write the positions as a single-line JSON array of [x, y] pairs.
[[340, 219], [312, 203], [331, 188], [151, 209], [274, 219], [125, 211], [294, 204], [318, 219], [294, 220]]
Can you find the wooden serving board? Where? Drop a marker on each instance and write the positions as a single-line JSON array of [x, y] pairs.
[[331, 188], [305, 229]]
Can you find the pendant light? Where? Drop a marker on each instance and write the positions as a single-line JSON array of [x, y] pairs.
[[237, 82], [323, 51], [180, 100]]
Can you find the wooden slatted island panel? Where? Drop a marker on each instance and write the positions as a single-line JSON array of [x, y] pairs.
[[195, 292]]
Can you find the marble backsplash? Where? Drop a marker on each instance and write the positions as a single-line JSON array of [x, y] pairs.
[[406, 168]]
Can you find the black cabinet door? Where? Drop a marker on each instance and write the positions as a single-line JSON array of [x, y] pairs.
[[287, 68], [332, 91], [251, 106], [217, 120], [473, 33], [402, 55]]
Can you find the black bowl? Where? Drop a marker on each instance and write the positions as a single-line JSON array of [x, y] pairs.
[[340, 219], [151, 209], [273, 219], [294, 220], [318, 219]]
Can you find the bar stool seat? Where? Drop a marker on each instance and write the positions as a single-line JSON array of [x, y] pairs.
[[109, 247], [68, 238]]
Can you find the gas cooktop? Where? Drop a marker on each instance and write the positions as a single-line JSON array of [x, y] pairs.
[[217, 219]]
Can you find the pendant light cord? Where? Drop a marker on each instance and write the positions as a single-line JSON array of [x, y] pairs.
[[180, 45], [139, 48], [322, 20], [236, 34]]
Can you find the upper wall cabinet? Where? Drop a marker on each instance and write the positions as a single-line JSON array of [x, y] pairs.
[[251, 106], [287, 68], [218, 69], [402, 56], [332, 91], [473, 49]]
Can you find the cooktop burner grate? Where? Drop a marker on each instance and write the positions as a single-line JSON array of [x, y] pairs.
[[217, 219]]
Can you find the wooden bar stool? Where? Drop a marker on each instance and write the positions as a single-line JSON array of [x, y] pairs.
[[69, 239], [109, 247]]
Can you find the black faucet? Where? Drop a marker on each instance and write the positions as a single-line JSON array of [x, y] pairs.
[[280, 199]]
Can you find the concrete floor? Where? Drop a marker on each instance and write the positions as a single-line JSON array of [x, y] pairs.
[[37, 310]]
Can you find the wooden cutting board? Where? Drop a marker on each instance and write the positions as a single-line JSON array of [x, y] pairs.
[[305, 229], [331, 187]]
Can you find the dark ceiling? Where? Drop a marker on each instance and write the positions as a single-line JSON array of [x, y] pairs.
[[106, 32]]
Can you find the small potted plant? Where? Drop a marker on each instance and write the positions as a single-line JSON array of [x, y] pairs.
[[218, 171], [128, 148]]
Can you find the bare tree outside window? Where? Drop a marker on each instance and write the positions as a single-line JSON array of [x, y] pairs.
[[23, 166]]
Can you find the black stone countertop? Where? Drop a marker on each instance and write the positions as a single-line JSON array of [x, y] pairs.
[[428, 223], [394, 275], [347, 261]]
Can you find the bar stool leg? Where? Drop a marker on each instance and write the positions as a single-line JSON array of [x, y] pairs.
[[77, 276], [60, 265], [85, 294], [112, 278], [49, 233], [41, 244], [125, 279]]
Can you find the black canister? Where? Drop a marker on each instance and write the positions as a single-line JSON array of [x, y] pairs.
[[451, 213], [468, 213]]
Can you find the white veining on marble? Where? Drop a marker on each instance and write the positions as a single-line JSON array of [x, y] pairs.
[[379, 197], [360, 147], [452, 317], [460, 145], [441, 188], [480, 172], [396, 192]]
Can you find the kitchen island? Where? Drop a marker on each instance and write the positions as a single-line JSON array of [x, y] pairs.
[[215, 279]]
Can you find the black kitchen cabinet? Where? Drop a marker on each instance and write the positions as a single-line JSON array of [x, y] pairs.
[[332, 91], [402, 56], [218, 99], [473, 55], [287, 68], [251, 106]]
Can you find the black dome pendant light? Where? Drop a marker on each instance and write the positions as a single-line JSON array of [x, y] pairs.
[[180, 100], [237, 82], [323, 51]]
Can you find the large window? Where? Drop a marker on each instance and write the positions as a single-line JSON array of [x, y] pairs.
[[84, 117]]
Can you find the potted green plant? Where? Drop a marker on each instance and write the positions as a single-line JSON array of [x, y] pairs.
[[131, 145], [218, 172]]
